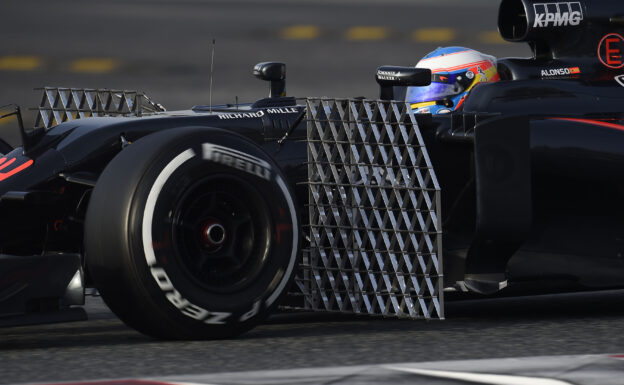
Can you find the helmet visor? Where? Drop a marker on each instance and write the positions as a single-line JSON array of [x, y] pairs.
[[433, 92]]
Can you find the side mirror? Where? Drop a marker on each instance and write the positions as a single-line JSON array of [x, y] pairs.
[[275, 73], [389, 77]]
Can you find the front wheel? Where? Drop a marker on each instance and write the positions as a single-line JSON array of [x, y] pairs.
[[191, 233]]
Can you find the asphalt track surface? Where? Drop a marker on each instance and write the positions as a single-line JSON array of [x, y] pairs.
[[164, 49], [551, 325]]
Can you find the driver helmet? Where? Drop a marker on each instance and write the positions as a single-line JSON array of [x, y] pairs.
[[454, 72]]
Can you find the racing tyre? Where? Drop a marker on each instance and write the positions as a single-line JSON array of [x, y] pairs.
[[191, 233]]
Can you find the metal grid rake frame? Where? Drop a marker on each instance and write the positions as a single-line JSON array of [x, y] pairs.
[[374, 234], [59, 104]]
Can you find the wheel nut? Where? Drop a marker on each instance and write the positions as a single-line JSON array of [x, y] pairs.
[[215, 234]]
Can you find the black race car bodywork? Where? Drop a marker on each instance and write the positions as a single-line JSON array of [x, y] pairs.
[[530, 169]]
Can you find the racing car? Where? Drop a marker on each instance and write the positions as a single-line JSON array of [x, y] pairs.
[[199, 223]]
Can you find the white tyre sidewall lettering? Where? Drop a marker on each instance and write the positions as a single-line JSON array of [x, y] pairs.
[[160, 276]]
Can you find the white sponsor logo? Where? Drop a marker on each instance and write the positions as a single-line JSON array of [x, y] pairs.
[[241, 115], [620, 80], [556, 72], [387, 75], [237, 159], [282, 110], [557, 14], [560, 72]]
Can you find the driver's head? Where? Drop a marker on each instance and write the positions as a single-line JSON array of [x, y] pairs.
[[455, 71]]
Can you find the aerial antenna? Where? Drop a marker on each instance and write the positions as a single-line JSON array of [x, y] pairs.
[[211, 71]]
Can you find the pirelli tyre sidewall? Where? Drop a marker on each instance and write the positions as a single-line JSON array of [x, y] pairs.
[[210, 231]]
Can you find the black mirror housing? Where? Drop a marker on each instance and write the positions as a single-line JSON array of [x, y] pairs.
[[274, 72], [389, 77]]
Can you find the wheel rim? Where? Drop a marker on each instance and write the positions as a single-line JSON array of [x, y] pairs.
[[221, 233]]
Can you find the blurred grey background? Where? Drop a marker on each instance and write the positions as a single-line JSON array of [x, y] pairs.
[[163, 48]]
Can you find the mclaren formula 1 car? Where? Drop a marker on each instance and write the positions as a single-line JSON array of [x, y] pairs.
[[198, 223]]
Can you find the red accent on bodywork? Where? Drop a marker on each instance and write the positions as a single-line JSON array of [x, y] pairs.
[[612, 55], [5, 175], [593, 122], [3, 165]]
